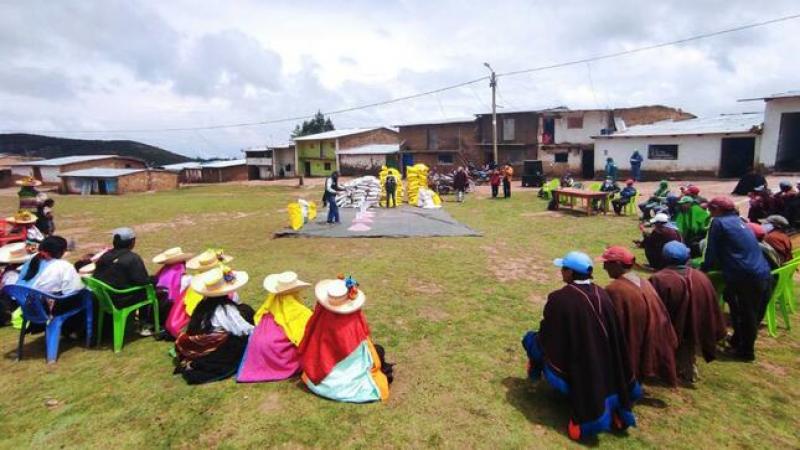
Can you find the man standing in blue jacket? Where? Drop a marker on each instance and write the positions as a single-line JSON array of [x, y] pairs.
[[636, 165], [733, 249]]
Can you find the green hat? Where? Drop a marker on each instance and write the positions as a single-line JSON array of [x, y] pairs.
[[685, 199], [663, 183]]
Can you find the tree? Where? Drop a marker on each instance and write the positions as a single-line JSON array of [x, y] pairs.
[[316, 125]]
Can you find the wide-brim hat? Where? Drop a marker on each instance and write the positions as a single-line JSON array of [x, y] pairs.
[[172, 256], [15, 253], [207, 260], [22, 218], [217, 282], [87, 270], [333, 296], [283, 283], [28, 181]]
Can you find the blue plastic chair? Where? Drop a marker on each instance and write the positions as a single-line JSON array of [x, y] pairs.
[[33, 304]]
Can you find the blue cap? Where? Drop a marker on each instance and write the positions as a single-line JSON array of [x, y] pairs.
[[578, 261], [676, 252], [785, 184]]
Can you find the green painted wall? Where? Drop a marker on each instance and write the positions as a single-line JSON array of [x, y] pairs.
[[310, 150]]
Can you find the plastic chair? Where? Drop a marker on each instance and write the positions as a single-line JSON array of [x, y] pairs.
[[782, 295], [103, 293], [632, 207], [548, 187], [33, 305]]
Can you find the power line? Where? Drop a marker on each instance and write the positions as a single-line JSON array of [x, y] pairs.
[[439, 90]]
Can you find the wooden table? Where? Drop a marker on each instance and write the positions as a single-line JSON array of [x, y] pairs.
[[586, 196]]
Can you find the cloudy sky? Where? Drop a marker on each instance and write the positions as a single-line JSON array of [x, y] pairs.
[[94, 69]]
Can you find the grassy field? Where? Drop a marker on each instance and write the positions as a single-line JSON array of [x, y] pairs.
[[450, 312]]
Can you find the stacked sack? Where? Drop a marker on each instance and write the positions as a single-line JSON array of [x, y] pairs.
[[364, 189], [385, 171], [417, 176]]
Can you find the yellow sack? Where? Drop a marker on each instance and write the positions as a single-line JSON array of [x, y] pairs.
[[289, 313], [312, 211], [436, 200], [295, 216]]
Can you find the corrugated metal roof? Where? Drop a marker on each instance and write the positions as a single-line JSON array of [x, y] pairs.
[[100, 172], [65, 160], [439, 121], [338, 133], [223, 164], [373, 149], [724, 124], [181, 166], [787, 94]]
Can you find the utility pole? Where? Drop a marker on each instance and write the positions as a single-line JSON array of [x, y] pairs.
[[493, 85]]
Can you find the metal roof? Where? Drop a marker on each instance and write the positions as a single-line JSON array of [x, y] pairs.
[[181, 166], [223, 164], [101, 172], [787, 94], [373, 149], [743, 123], [338, 133], [439, 121], [65, 160]]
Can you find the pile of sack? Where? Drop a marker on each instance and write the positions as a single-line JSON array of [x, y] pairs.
[[364, 189], [300, 213], [427, 199], [385, 171], [417, 177]]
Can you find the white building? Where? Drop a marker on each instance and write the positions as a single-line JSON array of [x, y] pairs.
[[723, 146], [270, 162], [780, 142]]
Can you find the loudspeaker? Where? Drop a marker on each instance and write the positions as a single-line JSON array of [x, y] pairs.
[[532, 180], [532, 167]]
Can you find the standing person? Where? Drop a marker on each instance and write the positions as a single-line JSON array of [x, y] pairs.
[[508, 172], [691, 302], [391, 190], [28, 195], [611, 168], [44, 217], [580, 349], [653, 242], [733, 248], [643, 319], [626, 195], [636, 165], [331, 189], [460, 184], [494, 181]]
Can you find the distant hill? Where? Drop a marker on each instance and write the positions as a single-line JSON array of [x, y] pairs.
[[54, 147]]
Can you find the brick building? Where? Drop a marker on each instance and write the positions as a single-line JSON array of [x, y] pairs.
[[317, 153], [224, 171], [111, 181], [190, 172], [517, 137], [49, 170], [440, 144]]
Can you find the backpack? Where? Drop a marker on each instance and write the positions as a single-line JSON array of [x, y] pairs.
[[391, 183]]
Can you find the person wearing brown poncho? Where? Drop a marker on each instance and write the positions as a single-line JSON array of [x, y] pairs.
[[692, 304], [642, 318]]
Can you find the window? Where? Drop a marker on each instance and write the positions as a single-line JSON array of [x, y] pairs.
[[327, 166], [445, 158], [575, 122], [433, 139], [660, 151], [508, 129], [562, 157]]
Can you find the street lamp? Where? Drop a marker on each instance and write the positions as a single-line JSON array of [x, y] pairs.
[[493, 85]]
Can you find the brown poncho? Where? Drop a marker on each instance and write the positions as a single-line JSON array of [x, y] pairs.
[[692, 304], [645, 323]]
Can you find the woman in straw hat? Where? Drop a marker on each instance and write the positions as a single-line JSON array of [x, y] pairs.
[[171, 274], [12, 256], [211, 348], [28, 195], [203, 262], [271, 353], [339, 359]]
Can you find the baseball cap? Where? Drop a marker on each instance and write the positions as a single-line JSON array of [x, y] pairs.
[[785, 184], [692, 190], [723, 203], [660, 218], [617, 253], [676, 251], [124, 233], [578, 261], [629, 182], [685, 199]]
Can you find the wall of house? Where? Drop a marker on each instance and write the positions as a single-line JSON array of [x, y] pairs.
[[556, 169], [147, 181], [225, 174], [593, 122], [772, 128], [641, 115], [453, 136], [357, 165], [379, 136], [190, 176], [698, 154], [284, 157], [50, 174], [311, 149]]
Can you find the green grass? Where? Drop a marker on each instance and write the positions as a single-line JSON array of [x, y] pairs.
[[450, 312]]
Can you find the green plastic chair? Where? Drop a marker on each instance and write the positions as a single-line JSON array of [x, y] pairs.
[[632, 208], [548, 187], [103, 293], [782, 295], [595, 187]]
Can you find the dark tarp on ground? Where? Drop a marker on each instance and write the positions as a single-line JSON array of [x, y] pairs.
[[394, 222]]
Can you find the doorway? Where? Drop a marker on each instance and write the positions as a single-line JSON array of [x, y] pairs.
[[788, 157], [736, 157], [307, 168], [587, 164]]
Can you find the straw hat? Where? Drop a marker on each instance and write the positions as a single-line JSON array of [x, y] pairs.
[[333, 296], [171, 256], [282, 283], [208, 260], [22, 217], [219, 281], [87, 270], [28, 181], [14, 253]]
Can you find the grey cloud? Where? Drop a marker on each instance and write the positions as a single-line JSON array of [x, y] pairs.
[[36, 82]]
